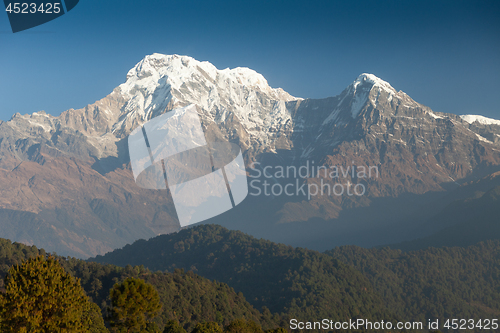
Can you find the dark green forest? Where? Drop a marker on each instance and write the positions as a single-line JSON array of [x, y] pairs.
[[294, 282], [347, 282], [186, 297], [433, 283], [209, 278]]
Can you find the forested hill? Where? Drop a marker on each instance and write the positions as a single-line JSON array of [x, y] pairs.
[[187, 297], [433, 283], [347, 282], [301, 283]]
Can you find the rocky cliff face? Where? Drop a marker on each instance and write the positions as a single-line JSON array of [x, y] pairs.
[[416, 148], [67, 183]]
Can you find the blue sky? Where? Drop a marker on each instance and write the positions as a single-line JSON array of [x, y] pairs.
[[444, 54]]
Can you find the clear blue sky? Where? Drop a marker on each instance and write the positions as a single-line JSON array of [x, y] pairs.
[[444, 54]]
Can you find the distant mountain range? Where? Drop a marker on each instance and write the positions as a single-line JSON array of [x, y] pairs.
[[67, 184]]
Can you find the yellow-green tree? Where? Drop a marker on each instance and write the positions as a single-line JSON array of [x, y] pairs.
[[242, 326], [207, 327], [173, 326], [277, 330], [1, 308], [92, 319], [41, 297], [133, 303]]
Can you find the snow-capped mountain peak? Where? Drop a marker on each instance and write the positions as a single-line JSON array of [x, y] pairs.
[[178, 70], [235, 104], [159, 83], [470, 118], [368, 88], [374, 81], [365, 89]]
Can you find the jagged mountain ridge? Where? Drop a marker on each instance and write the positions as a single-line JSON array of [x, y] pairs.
[[369, 123], [267, 116], [159, 83]]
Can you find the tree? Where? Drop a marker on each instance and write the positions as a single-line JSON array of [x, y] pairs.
[[151, 327], [173, 326], [92, 318], [41, 297], [2, 306], [242, 326], [133, 303], [277, 330], [207, 327]]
